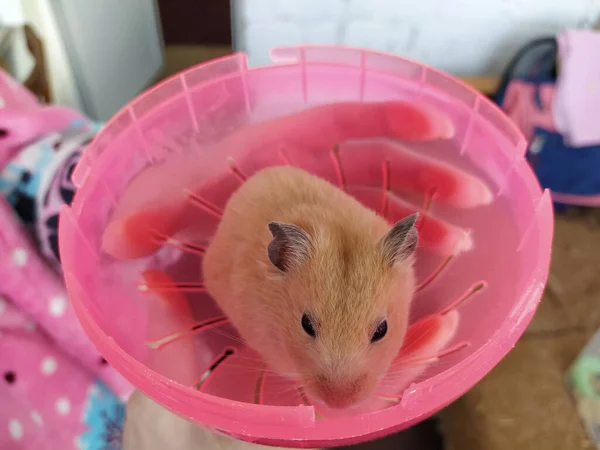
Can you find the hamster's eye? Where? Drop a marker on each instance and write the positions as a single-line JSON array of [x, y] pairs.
[[308, 326], [380, 332]]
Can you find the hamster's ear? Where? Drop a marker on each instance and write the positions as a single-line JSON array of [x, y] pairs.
[[289, 246], [401, 241]]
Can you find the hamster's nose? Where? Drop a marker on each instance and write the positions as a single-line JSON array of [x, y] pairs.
[[341, 393]]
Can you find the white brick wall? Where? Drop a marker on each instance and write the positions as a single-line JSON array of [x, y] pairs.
[[11, 12], [460, 36]]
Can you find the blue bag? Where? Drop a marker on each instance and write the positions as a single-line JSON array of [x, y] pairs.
[[571, 173]]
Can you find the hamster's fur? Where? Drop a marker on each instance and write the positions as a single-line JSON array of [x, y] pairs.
[[308, 275]]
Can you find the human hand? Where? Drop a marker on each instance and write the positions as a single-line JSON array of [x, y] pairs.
[[151, 207], [149, 426]]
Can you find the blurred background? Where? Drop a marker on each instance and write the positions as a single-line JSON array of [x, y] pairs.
[[96, 55], [90, 44]]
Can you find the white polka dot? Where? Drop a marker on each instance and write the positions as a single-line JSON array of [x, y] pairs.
[[35, 416], [2, 102], [15, 429], [49, 365], [63, 406], [30, 326], [77, 442], [2, 305], [58, 305], [19, 257]]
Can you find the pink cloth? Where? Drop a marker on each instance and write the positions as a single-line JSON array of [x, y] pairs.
[[43, 392], [32, 287], [53, 382], [521, 106], [577, 99]]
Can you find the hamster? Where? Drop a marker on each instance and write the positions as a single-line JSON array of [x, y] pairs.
[[318, 284]]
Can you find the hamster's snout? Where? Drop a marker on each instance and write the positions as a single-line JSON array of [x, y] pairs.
[[341, 393]]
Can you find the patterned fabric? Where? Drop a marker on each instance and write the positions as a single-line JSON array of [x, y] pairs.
[[48, 400], [54, 392], [37, 182]]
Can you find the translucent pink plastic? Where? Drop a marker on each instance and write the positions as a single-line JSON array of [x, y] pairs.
[[506, 263]]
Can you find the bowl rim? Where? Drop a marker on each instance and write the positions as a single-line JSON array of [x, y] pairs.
[[297, 426]]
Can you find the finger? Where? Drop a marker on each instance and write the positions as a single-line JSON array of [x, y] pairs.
[[136, 235], [140, 233], [428, 336], [435, 234], [327, 125], [361, 164], [133, 235], [411, 173], [312, 133], [317, 128]]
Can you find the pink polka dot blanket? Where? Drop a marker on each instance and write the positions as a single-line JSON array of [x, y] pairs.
[[56, 392]]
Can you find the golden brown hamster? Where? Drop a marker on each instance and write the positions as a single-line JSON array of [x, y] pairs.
[[314, 281]]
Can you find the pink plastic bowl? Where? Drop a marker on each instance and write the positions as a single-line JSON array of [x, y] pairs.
[[206, 374]]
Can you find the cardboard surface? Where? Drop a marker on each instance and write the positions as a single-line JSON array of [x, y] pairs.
[[524, 402]]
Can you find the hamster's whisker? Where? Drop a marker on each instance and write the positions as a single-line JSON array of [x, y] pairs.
[[235, 170], [304, 397], [203, 204], [307, 402], [337, 165], [181, 245], [213, 367], [469, 294], [427, 203], [187, 316], [185, 286], [410, 373], [264, 368], [249, 369], [389, 398], [427, 281], [202, 326], [437, 357], [283, 390], [231, 336], [260, 387], [283, 157], [429, 195], [385, 188]]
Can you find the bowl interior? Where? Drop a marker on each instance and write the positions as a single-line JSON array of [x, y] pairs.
[[188, 117]]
